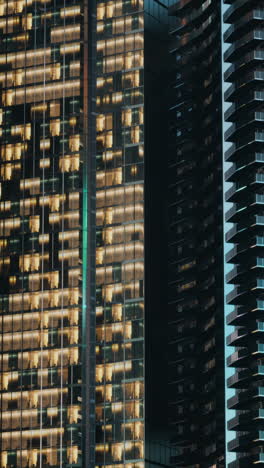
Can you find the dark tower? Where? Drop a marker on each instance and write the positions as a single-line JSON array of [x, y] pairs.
[[196, 307]]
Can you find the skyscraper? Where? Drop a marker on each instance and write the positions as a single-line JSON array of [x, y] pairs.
[[129, 112], [45, 295], [196, 296], [50, 307], [245, 73]]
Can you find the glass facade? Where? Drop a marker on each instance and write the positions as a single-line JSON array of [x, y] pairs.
[[43, 153], [72, 237], [120, 235]]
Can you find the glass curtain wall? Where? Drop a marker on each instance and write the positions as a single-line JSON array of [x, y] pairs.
[[120, 235], [41, 155]]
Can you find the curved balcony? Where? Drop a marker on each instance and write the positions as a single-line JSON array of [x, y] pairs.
[[242, 356], [239, 252], [239, 422], [230, 112], [241, 462], [249, 61], [230, 173], [243, 421], [235, 131], [237, 151], [194, 34], [234, 194], [241, 399], [238, 379], [243, 193], [247, 461], [235, 213], [238, 358], [247, 20], [237, 317], [236, 338], [230, 152], [235, 233], [246, 442], [243, 233], [243, 45], [240, 273], [258, 458], [251, 143], [236, 172], [242, 377], [238, 295], [238, 5]]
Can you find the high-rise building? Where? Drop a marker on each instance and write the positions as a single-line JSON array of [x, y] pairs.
[[82, 301], [130, 295], [196, 297], [245, 55], [46, 241]]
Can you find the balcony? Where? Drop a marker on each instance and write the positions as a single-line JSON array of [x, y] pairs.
[[241, 295], [237, 358], [236, 171], [232, 10], [233, 31], [235, 253], [233, 402], [237, 336], [229, 153], [236, 69], [235, 213], [258, 458], [241, 46], [231, 254], [242, 84], [230, 90], [241, 462], [237, 316], [240, 378], [236, 131], [230, 172], [234, 193], [234, 233], [245, 442], [241, 399], [240, 422], [229, 112], [243, 421], [251, 142], [235, 275]]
